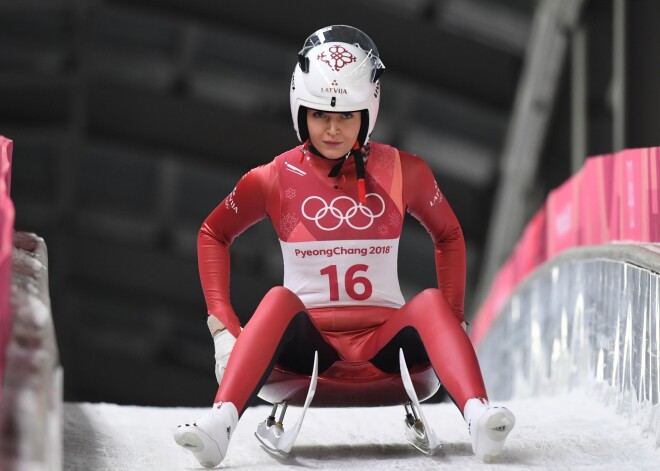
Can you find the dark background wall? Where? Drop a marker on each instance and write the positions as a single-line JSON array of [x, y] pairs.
[[132, 119]]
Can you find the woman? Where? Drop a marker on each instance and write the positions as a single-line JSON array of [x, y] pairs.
[[337, 203]]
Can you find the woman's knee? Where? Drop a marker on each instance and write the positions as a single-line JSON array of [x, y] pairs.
[[280, 302], [283, 296], [429, 297], [431, 300]]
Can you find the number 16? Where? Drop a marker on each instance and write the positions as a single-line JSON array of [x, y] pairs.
[[350, 282]]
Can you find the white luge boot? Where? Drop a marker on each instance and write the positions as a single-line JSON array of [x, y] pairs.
[[489, 426], [208, 437]]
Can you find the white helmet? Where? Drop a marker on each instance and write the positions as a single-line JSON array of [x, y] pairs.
[[337, 70]]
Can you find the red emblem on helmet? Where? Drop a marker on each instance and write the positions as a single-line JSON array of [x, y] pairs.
[[338, 57]]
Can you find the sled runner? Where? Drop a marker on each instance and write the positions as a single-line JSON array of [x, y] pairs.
[[271, 434], [348, 384], [418, 430]]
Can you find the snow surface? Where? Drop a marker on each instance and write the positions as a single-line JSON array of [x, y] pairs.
[[567, 431]]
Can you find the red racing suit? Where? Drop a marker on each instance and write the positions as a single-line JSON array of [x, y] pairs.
[[340, 265]]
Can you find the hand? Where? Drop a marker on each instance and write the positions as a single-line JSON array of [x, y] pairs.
[[224, 343]]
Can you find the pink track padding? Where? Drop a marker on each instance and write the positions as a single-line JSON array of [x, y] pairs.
[[635, 196], [562, 210], [531, 250], [500, 293], [596, 200], [653, 193], [6, 234], [614, 197]]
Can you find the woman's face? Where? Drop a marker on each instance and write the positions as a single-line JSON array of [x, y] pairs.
[[333, 134]]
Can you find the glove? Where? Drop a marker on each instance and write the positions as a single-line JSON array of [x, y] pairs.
[[224, 343]]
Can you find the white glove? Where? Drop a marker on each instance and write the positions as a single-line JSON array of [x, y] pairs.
[[224, 343]]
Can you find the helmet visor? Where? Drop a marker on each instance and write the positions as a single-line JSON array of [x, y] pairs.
[[348, 35]]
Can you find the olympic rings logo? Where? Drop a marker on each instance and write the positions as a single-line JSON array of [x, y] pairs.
[[349, 216]]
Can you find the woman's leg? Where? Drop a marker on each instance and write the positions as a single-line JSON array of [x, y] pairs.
[[455, 362], [280, 331], [280, 324], [448, 347]]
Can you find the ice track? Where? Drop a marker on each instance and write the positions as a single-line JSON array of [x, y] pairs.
[[570, 431]]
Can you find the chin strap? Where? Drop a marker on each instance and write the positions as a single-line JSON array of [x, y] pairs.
[[356, 153]]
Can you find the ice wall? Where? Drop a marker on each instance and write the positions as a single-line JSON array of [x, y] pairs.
[[573, 304], [30, 411], [590, 316]]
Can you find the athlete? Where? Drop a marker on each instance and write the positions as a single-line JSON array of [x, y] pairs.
[[337, 204]]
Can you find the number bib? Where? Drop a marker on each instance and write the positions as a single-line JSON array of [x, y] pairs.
[[336, 251], [343, 273]]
